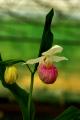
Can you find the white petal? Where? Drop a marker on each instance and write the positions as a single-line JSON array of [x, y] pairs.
[[53, 50], [33, 61], [57, 58]]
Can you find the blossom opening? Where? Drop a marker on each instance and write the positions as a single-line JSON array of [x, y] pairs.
[[47, 74]]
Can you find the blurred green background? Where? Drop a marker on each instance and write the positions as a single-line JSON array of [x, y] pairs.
[[20, 38]]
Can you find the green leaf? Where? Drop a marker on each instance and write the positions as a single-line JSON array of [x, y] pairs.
[[21, 96], [2, 69], [0, 58], [47, 36], [10, 62], [72, 113]]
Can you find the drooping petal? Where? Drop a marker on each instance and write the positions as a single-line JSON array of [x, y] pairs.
[[58, 58], [53, 50], [33, 61]]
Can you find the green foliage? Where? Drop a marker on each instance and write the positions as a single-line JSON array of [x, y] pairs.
[[4, 64], [20, 94], [47, 36], [47, 40], [65, 29], [24, 99], [2, 69], [21, 97], [10, 62], [19, 40], [72, 113]]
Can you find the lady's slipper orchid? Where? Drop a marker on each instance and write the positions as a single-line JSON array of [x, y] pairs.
[[10, 75], [46, 70]]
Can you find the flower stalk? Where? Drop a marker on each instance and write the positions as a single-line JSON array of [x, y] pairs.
[[30, 96]]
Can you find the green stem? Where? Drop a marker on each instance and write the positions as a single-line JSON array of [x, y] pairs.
[[30, 96], [24, 113]]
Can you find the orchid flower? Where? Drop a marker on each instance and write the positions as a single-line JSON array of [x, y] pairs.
[[46, 69]]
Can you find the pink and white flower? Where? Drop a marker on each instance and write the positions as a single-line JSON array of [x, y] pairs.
[[46, 68]]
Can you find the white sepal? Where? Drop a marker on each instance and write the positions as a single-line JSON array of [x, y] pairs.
[[33, 61], [53, 50], [58, 59]]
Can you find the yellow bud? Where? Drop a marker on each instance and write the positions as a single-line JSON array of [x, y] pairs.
[[10, 74]]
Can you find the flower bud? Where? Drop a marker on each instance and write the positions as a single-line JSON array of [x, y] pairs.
[[10, 74], [47, 74]]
